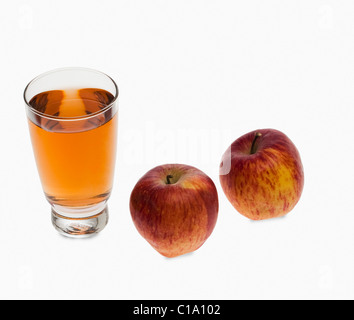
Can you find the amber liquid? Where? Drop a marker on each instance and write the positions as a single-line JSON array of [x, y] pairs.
[[75, 145]]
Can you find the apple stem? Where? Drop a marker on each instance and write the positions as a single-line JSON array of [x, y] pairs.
[[168, 179], [256, 136]]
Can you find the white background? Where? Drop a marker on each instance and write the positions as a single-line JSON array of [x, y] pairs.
[[193, 76]]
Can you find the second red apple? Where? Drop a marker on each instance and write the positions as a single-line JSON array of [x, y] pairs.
[[262, 174]]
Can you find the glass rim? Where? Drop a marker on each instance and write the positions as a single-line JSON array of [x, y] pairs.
[[44, 115]]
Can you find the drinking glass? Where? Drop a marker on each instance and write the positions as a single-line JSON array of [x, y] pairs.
[[73, 117]]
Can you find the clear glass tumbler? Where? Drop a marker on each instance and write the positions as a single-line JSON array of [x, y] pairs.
[[73, 118]]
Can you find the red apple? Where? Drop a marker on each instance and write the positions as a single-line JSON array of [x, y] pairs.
[[175, 208], [262, 174]]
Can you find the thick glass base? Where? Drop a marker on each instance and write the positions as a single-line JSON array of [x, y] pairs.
[[78, 223]]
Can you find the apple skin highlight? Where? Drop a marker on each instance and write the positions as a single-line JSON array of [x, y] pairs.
[[175, 208], [266, 176]]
